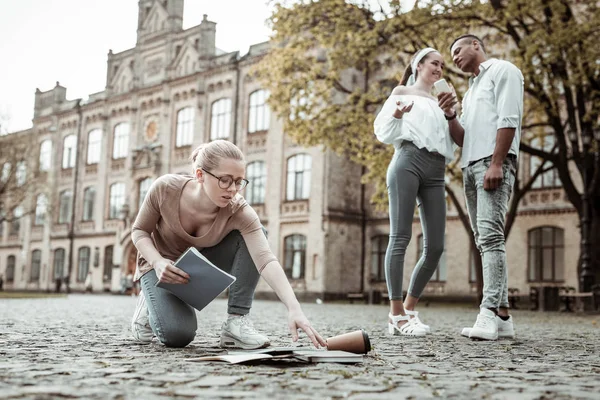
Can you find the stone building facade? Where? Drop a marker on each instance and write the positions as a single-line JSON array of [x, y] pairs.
[[175, 90]]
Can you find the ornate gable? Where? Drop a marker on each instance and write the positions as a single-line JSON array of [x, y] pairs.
[[187, 61], [156, 20], [122, 81]]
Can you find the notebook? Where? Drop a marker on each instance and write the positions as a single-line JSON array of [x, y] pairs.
[[206, 282]]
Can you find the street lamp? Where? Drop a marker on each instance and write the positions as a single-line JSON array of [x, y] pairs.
[[586, 278]]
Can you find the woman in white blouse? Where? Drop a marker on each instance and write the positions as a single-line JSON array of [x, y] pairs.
[[412, 121]]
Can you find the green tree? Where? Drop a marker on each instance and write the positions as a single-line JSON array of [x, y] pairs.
[[333, 63]]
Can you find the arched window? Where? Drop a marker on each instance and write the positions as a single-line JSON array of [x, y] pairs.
[[379, 246], [36, 263], [15, 226], [45, 155], [64, 210], [83, 263], [259, 114], [295, 256], [257, 175], [69, 151], [441, 272], [41, 205], [121, 140], [59, 263], [220, 120], [116, 200], [546, 254], [89, 198], [550, 178], [298, 177], [21, 173], [10, 269], [185, 127], [143, 189], [94, 148]]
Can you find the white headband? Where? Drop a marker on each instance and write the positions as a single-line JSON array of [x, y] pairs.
[[413, 65]]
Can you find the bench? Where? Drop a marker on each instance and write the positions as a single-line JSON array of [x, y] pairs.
[[514, 297], [573, 300], [356, 296]]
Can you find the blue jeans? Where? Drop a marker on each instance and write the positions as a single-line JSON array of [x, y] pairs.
[[415, 174], [487, 212], [174, 321]]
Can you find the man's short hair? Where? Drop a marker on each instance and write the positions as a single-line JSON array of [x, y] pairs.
[[468, 36]]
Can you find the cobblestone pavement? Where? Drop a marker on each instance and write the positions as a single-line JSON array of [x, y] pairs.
[[79, 347]]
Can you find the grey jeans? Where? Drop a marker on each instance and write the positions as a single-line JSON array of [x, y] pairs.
[[487, 212], [415, 174], [174, 321]]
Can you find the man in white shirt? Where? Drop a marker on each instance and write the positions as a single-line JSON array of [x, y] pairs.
[[489, 132]]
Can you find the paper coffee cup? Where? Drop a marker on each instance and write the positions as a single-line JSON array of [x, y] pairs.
[[354, 342]]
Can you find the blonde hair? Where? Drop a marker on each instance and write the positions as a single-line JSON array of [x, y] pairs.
[[208, 156]]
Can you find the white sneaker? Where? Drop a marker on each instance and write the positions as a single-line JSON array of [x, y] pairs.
[[486, 326], [506, 329], [415, 316], [239, 333], [140, 323]]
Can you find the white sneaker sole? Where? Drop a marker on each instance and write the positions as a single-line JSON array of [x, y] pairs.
[[230, 342], [466, 332]]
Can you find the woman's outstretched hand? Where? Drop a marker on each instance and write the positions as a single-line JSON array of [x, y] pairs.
[[297, 320], [167, 272]]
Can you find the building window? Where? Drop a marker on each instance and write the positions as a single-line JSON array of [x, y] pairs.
[[295, 256], [546, 254], [117, 199], [550, 178], [257, 175], [21, 173], [298, 177], [259, 114], [10, 269], [59, 263], [185, 127], [6, 169], [41, 205], [121, 140], [441, 272], [69, 151], [220, 119], [45, 155], [301, 103], [89, 198], [64, 204], [36, 263], [83, 264], [108, 264], [379, 246], [94, 148], [143, 190], [15, 226]]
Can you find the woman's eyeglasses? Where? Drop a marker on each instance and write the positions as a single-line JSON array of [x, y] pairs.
[[226, 181]]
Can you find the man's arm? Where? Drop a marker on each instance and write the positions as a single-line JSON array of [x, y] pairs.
[[446, 101]]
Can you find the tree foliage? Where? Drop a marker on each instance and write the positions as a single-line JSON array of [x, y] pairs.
[[334, 62]]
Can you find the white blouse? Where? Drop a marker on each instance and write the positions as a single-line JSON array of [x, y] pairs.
[[424, 126]]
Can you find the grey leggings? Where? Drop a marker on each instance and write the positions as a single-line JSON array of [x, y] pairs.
[[173, 321], [414, 174]]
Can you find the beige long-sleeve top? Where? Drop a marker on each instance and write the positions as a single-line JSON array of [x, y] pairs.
[[159, 220]]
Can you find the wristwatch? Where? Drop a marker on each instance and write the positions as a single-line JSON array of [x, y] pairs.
[[450, 118]]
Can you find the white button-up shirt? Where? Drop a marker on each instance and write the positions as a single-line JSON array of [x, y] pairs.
[[424, 126], [494, 100]]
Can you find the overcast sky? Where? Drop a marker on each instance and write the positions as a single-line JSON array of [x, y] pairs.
[[44, 41]]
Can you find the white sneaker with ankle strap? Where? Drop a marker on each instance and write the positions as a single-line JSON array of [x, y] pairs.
[[415, 316], [410, 328]]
